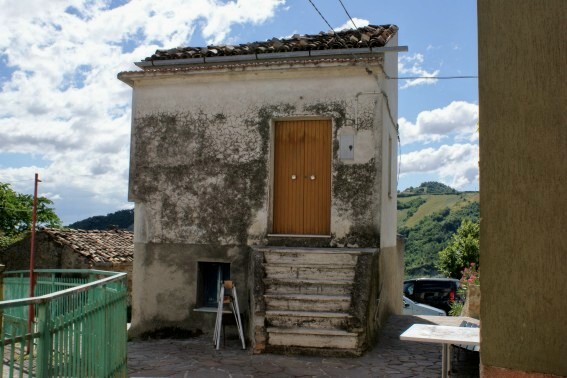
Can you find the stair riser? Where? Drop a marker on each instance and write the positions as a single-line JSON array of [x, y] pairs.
[[287, 272], [313, 341], [303, 305], [310, 258], [307, 322], [312, 289]]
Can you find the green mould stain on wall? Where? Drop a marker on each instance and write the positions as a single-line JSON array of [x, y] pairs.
[[353, 194], [204, 175]]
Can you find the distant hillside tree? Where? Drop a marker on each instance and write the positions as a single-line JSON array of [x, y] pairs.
[[434, 187], [429, 187], [462, 250], [122, 219]]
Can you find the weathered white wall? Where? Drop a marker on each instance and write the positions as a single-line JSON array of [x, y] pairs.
[[200, 175], [391, 247], [225, 109], [389, 157]]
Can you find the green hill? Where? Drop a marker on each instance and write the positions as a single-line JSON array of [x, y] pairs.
[[427, 221], [122, 219]]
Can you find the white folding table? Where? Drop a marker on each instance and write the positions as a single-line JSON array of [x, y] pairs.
[[445, 335]]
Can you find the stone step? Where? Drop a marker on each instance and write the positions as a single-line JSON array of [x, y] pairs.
[[306, 271], [306, 286], [308, 319], [311, 256], [312, 338], [301, 302]]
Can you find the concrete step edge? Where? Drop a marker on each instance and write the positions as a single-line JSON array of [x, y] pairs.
[[308, 297], [300, 281], [314, 266], [311, 331], [308, 314], [348, 251]]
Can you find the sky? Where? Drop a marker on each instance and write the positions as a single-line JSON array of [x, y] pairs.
[[64, 115]]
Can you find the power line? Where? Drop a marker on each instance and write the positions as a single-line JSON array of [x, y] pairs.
[[385, 74], [324, 19], [385, 96], [351, 20]]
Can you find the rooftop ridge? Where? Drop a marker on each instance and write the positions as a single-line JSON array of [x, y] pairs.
[[368, 36], [99, 246]]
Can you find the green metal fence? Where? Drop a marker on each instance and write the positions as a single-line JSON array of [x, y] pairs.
[[78, 329]]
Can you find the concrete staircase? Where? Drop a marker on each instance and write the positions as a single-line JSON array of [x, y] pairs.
[[308, 301]]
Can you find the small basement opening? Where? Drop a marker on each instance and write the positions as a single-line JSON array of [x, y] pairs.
[[210, 275]]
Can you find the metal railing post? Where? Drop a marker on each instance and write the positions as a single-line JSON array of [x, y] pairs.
[[44, 341]]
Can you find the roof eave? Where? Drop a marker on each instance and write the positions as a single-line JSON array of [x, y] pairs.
[[269, 56]]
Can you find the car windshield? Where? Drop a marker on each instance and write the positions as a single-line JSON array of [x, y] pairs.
[[432, 286]]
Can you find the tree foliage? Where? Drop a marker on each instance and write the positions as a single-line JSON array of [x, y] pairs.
[[462, 250], [16, 212], [429, 187], [431, 235]]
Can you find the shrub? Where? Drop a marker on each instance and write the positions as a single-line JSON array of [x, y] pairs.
[[462, 250]]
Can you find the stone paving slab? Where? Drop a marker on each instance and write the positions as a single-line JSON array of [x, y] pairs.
[[390, 357]]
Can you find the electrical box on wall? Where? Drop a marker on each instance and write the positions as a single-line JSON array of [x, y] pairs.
[[346, 147]]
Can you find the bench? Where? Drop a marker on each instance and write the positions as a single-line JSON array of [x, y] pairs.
[[470, 347]]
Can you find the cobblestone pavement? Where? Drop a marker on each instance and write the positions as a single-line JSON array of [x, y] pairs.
[[390, 357]]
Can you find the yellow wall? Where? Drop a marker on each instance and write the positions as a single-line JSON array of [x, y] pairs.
[[523, 186]]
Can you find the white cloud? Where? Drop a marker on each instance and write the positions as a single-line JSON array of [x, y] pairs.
[[458, 120], [63, 101], [411, 65], [358, 23], [455, 165]]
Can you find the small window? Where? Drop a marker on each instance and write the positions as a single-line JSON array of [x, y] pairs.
[[209, 277], [408, 288]]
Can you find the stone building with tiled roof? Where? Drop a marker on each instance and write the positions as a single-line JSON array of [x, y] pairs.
[[74, 249], [273, 164]]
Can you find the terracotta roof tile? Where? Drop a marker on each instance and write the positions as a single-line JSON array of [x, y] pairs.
[[114, 246], [368, 36]]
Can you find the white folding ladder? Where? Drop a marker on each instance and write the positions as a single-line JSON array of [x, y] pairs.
[[227, 296]]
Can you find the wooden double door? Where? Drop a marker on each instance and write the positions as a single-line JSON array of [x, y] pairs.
[[302, 177]]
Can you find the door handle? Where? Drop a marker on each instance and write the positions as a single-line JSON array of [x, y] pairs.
[[312, 177], [293, 177]]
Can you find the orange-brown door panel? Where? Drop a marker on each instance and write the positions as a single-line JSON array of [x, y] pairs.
[[302, 177], [289, 151], [317, 190]]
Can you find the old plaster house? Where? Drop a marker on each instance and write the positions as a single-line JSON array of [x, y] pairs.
[[272, 164]]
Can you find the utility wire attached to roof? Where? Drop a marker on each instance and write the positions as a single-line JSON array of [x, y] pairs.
[[324, 19], [348, 14]]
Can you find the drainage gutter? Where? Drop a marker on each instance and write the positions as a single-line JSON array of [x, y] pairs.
[[267, 56]]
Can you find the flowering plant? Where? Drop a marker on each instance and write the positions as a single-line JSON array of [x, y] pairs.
[[471, 276]]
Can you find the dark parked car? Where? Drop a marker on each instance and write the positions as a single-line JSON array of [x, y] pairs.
[[436, 292]]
